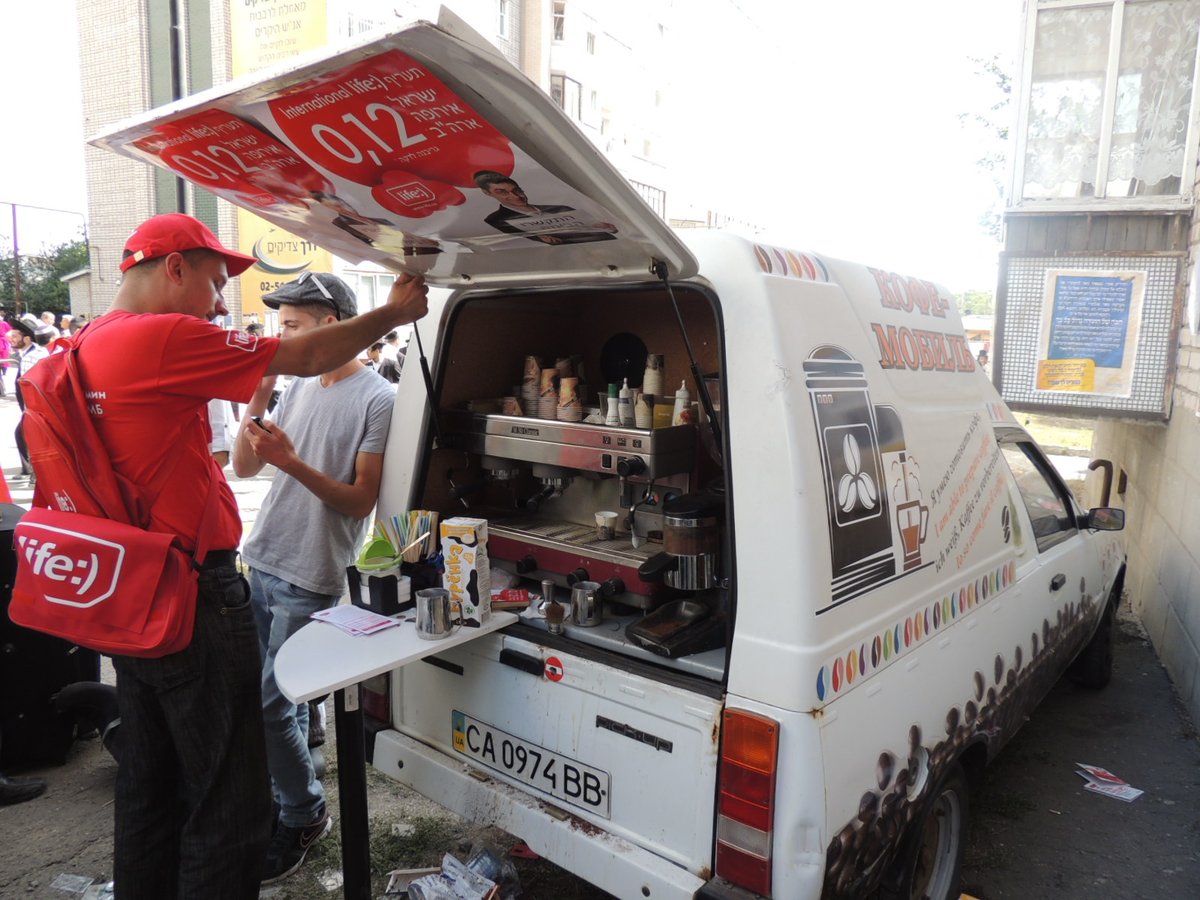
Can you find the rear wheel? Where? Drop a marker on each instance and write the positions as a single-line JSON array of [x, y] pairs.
[[933, 855]]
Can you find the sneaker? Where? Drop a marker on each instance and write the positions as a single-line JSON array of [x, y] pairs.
[[290, 845], [19, 790]]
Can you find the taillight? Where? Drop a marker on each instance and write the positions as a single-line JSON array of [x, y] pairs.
[[375, 695], [746, 799]]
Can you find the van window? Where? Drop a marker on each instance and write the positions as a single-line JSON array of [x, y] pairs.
[[1042, 492]]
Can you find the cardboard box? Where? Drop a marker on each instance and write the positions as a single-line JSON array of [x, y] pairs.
[[467, 578]]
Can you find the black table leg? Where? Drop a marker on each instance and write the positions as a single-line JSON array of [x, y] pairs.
[[352, 794]]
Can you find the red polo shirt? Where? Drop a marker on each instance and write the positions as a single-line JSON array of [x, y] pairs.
[[149, 379]]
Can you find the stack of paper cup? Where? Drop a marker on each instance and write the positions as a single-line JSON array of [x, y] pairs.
[[548, 395], [531, 385], [643, 411], [570, 407], [652, 378]]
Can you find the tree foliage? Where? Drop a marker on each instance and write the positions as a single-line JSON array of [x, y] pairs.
[[993, 121], [975, 303], [41, 274]]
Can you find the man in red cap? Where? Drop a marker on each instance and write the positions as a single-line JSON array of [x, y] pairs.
[[193, 804]]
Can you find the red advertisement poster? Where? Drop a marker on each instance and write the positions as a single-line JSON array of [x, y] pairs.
[[234, 159], [389, 124]]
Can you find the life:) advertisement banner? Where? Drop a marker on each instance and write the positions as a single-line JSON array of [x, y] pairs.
[[383, 152]]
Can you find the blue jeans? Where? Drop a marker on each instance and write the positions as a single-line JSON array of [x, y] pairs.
[[282, 609], [193, 801]]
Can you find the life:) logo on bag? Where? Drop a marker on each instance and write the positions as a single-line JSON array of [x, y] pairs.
[[89, 569]]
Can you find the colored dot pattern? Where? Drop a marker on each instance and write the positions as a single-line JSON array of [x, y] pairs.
[[790, 264], [858, 663]]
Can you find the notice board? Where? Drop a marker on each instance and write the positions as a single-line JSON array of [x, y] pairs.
[[1087, 333]]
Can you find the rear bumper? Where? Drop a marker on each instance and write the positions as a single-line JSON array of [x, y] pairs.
[[603, 859]]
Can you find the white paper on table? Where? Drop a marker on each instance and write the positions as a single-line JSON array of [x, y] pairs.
[[354, 620]]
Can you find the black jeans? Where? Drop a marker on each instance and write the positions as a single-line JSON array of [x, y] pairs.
[[193, 799]]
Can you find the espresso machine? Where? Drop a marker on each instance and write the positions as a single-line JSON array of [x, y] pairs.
[[556, 476]]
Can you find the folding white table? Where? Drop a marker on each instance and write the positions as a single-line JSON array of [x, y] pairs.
[[320, 659]]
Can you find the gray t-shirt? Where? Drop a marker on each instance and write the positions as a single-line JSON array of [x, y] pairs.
[[296, 536]]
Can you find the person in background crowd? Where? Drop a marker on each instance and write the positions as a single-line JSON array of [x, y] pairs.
[[65, 325], [48, 321], [193, 806], [32, 338], [374, 354], [255, 328], [6, 350], [386, 366], [391, 345], [326, 441]]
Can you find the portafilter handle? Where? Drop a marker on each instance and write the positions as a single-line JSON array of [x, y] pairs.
[[656, 567]]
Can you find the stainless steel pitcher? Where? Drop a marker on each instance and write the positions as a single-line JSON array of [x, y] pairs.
[[586, 602], [437, 615]]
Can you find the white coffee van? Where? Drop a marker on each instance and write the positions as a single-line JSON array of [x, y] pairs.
[[842, 574]]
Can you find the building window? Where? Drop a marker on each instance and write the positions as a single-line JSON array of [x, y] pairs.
[[560, 19], [1110, 103], [503, 11], [567, 94], [591, 44]]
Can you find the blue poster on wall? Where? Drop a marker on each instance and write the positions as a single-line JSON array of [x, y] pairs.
[[1090, 318]]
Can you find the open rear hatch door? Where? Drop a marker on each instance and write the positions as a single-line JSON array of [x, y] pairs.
[[376, 153]]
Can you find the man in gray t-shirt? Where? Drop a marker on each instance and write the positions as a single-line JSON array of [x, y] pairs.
[[326, 439]]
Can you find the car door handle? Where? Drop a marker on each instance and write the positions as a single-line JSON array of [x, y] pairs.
[[1058, 581]]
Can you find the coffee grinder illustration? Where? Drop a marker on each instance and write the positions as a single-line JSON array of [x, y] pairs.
[[912, 518], [860, 527]]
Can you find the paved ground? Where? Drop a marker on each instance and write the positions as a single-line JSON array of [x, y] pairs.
[[1037, 834]]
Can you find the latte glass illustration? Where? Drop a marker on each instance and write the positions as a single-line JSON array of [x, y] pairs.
[[913, 520]]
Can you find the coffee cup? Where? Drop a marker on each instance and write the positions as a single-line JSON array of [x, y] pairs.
[[606, 525], [436, 614]]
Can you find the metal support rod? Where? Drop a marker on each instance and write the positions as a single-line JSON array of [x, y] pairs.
[[352, 792], [16, 265]]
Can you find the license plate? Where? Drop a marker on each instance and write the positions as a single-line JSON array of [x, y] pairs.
[[557, 775]]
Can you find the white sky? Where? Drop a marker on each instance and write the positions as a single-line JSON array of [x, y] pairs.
[[41, 154], [834, 125]]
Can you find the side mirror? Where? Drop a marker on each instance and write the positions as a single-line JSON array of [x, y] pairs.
[[1105, 518]]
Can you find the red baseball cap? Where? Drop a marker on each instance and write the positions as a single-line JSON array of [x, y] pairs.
[[174, 232]]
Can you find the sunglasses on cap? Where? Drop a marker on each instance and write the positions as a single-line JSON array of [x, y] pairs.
[[316, 279]]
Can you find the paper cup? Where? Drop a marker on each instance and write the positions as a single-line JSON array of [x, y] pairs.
[[533, 370], [606, 525]]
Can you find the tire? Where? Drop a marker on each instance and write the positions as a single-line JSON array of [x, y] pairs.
[[1093, 667], [931, 862]]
